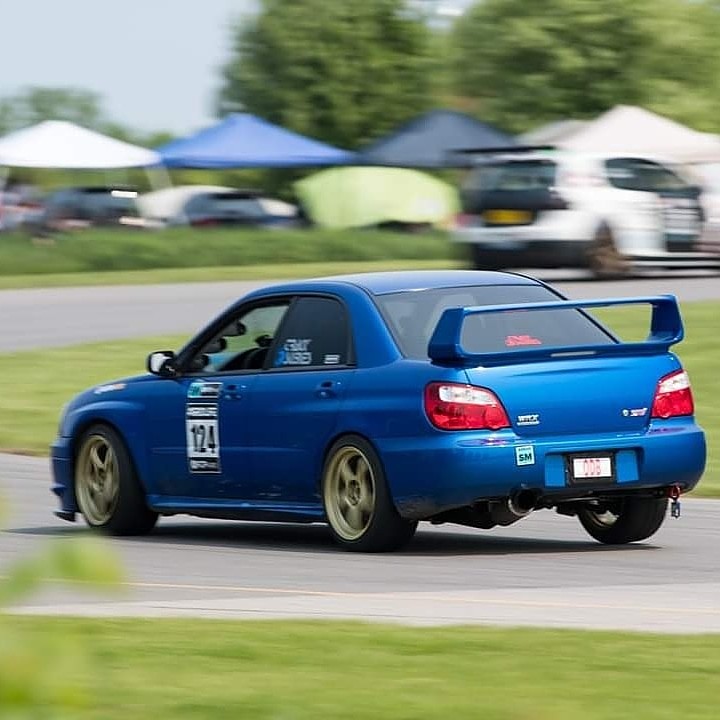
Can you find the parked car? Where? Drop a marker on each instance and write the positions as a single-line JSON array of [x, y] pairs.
[[373, 402], [79, 207], [207, 205], [17, 204], [611, 214]]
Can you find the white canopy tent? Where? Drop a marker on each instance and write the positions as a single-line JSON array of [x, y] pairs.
[[59, 144], [634, 130], [66, 146]]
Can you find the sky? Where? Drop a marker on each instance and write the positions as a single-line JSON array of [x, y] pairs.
[[155, 63]]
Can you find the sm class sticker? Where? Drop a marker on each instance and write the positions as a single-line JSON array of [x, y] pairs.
[[524, 455]]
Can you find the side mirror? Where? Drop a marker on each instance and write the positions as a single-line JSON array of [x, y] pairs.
[[162, 363]]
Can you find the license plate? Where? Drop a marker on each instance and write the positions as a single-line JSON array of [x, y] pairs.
[[507, 217], [592, 468]]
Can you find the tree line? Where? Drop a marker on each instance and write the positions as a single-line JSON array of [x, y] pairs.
[[347, 72]]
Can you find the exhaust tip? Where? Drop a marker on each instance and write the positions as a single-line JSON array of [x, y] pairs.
[[523, 501]]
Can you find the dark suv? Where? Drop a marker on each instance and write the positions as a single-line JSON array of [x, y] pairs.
[[78, 207]]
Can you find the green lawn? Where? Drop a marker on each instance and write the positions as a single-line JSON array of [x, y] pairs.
[[179, 669], [276, 271], [38, 383]]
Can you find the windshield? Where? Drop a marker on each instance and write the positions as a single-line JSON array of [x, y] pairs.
[[413, 316]]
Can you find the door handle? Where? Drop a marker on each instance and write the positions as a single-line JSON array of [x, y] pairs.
[[232, 392], [327, 389]]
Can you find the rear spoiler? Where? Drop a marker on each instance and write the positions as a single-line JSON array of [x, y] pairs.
[[666, 329]]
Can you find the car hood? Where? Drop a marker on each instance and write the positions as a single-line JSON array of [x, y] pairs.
[[113, 389]]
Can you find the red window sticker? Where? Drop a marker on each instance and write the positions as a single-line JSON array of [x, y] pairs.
[[517, 340]]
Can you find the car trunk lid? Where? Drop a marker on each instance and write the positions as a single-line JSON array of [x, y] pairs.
[[577, 395]]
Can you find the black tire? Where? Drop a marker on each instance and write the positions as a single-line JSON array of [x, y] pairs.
[[107, 489], [624, 521], [604, 259], [357, 502]]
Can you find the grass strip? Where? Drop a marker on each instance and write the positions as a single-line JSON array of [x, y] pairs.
[[277, 271], [180, 669]]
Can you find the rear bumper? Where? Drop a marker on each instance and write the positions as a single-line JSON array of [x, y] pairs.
[[62, 487], [538, 245], [458, 469], [538, 254], [558, 245], [676, 260]]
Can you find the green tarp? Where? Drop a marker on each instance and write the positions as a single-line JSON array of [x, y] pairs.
[[367, 196]]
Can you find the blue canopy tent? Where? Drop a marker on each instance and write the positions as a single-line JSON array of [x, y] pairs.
[[437, 139], [244, 141]]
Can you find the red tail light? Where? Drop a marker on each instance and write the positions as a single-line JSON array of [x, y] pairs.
[[451, 406], [673, 396]]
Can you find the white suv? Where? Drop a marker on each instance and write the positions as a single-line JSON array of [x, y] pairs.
[[611, 214]]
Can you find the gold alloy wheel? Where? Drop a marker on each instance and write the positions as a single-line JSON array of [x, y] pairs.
[[97, 485], [349, 493]]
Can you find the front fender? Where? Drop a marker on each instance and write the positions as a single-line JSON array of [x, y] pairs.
[[128, 417]]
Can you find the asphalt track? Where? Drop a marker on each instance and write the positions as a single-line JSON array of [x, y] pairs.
[[542, 571]]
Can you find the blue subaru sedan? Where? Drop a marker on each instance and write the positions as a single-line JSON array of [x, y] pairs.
[[373, 402]]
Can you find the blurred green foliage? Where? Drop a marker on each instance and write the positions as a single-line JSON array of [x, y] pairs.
[[344, 72], [34, 669], [35, 104], [527, 63]]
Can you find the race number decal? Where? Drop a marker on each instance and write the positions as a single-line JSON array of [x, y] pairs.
[[202, 437]]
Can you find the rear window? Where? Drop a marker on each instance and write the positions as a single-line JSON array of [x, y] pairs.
[[516, 175], [412, 317]]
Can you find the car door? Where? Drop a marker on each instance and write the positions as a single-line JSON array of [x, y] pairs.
[[296, 400], [682, 213], [635, 213], [198, 422]]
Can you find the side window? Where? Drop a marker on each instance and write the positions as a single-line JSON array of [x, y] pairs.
[[657, 178], [622, 173], [243, 343], [315, 334]]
